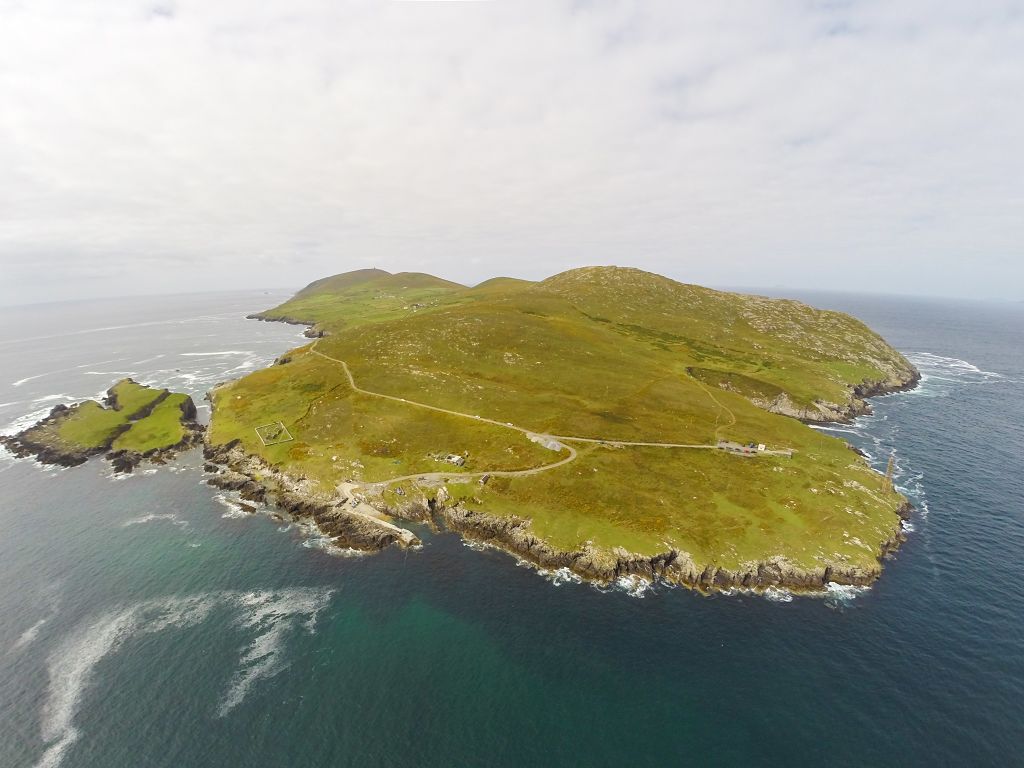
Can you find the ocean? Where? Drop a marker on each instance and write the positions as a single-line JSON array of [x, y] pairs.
[[147, 622]]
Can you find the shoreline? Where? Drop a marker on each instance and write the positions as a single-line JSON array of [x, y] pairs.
[[231, 468], [364, 523], [361, 524]]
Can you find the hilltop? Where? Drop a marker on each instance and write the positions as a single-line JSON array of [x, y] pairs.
[[578, 422]]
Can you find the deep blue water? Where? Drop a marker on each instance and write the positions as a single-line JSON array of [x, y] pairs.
[[144, 623]]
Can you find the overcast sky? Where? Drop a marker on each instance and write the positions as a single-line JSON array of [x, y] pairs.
[[171, 146]]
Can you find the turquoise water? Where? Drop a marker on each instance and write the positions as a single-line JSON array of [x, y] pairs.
[[147, 623]]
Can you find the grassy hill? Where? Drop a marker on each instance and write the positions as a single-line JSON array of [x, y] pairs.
[[598, 354]]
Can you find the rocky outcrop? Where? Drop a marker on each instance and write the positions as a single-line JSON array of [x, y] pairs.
[[26, 443], [822, 411], [233, 469], [332, 514], [37, 441], [313, 331]]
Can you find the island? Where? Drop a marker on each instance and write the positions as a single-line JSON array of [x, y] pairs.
[[134, 423], [608, 421]]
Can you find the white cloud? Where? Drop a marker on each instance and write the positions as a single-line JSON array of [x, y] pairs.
[[167, 145]]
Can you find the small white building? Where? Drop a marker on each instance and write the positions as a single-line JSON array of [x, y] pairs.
[[454, 458], [761, 447]]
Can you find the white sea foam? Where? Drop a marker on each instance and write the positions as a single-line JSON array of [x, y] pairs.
[[272, 615], [940, 375], [266, 616], [170, 517], [24, 422], [27, 379], [27, 637], [326, 544], [232, 506], [841, 595], [70, 672], [312, 537], [778, 595], [949, 365], [634, 586], [218, 354], [560, 576], [483, 546], [834, 428], [49, 398], [147, 360]]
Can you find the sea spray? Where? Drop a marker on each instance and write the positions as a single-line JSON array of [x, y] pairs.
[[267, 616]]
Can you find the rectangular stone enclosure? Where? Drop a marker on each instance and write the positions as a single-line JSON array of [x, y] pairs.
[[274, 433]]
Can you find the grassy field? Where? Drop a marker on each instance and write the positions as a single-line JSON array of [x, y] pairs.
[[92, 426], [604, 353], [162, 428], [342, 435]]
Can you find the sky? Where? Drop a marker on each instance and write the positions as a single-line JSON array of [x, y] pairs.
[[171, 146]]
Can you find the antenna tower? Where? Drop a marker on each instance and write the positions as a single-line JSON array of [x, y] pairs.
[[889, 472]]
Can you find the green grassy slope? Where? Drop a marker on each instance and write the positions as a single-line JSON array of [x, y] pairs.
[[341, 435], [162, 428], [605, 353], [91, 426]]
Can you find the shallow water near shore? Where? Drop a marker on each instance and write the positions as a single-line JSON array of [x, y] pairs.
[[145, 623]]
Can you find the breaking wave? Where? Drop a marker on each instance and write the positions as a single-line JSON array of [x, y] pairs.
[[233, 507], [560, 576], [778, 595], [939, 365], [634, 586], [940, 375], [266, 616], [839, 596], [24, 422]]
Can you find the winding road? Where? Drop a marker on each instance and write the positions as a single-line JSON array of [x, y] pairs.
[[530, 434]]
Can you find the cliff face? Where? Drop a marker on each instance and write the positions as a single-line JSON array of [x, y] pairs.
[[672, 566], [823, 412]]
